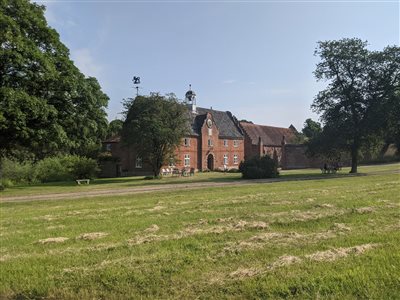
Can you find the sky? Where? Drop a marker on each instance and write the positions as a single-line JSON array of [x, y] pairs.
[[253, 58]]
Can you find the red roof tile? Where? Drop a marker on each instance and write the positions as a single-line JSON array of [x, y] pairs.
[[271, 136]]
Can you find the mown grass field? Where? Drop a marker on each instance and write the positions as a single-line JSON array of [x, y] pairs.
[[138, 181], [335, 238]]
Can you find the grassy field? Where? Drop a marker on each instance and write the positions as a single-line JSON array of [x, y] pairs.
[[138, 181], [335, 238]]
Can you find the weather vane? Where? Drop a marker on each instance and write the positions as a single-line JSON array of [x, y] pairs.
[[136, 81]]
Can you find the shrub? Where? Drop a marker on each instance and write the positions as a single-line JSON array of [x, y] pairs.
[[83, 167], [17, 172], [256, 168], [52, 169]]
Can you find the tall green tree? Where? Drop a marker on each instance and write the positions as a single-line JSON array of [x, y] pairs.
[[155, 126], [311, 129], [47, 105], [361, 87]]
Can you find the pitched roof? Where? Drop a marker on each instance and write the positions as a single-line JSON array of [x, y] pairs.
[[224, 120], [269, 135]]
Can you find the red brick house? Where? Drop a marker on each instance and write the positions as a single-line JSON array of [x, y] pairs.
[[278, 143], [263, 140], [215, 140]]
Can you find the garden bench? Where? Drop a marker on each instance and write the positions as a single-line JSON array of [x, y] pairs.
[[80, 181]]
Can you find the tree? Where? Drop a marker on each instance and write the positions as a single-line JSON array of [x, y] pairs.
[[311, 128], [47, 106], [155, 126], [360, 93], [114, 128]]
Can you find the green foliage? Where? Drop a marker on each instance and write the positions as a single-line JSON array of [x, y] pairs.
[[155, 126], [256, 168], [84, 168], [115, 128], [311, 129], [16, 172], [362, 86], [47, 106], [50, 169], [53, 169]]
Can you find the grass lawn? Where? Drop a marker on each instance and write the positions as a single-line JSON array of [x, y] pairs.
[[138, 181], [335, 238]]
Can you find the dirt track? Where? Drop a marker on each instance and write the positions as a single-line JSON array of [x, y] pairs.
[[165, 187]]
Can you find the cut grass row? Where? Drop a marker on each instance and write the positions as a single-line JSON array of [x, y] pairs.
[[253, 241]]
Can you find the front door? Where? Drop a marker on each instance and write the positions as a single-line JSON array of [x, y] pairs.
[[210, 162]]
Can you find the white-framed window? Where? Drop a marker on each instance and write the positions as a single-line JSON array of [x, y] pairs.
[[186, 142], [209, 131], [108, 147], [187, 160], [225, 143], [226, 159], [139, 162], [235, 143], [235, 159], [210, 142]]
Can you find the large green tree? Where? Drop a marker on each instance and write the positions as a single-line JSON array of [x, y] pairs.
[[155, 126], [47, 105], [360, 94]]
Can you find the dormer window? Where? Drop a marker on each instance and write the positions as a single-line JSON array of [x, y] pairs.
[[235, 143], [186, 142]]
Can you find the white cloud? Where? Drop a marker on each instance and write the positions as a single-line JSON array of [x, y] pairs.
[[86, 63]]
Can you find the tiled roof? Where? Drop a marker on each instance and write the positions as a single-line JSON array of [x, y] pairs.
[[271, 136], [224, 120]]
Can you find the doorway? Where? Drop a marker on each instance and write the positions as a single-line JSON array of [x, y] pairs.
[[210, 162]]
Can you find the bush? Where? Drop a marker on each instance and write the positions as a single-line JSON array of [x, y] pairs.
[[84, 168], [256, 168], [52, 169], [14, 172]]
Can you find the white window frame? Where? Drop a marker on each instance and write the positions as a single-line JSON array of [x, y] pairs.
[[209, 131], [139, 162], [186, 142], [226, 160], [235, 159], [210, 142], [235, 143], [186, 160], [226, 143]]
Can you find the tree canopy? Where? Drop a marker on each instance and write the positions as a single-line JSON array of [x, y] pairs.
[[155, 126], [311, 129], [361, 94], [47, 105]]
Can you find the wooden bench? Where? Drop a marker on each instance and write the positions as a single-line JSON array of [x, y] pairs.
[[80, 181]]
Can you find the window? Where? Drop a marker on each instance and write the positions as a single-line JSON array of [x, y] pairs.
[[210, 142], [225, 159], [187, 160], [108, 147], [186, 142], [235, 159], [235, 143], [139, 162], [209, 131], [225, 143]]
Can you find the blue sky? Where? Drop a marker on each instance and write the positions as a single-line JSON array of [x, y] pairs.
[[253, 58]]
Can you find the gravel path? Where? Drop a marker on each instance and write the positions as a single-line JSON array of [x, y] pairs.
[[165, 187]]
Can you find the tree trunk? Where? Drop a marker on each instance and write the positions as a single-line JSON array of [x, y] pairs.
[[354, 158]]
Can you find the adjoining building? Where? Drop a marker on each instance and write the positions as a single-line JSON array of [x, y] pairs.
[[217, 141]]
